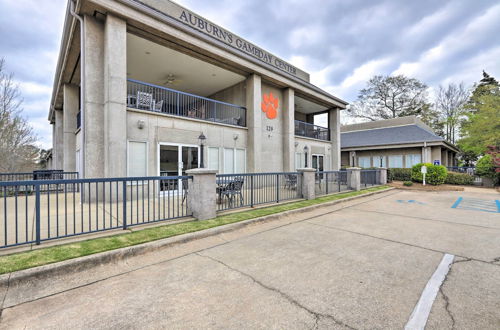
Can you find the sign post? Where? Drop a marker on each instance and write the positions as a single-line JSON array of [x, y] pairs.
[[423, 170]]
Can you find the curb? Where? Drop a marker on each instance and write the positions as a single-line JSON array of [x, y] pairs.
[[87, 262]]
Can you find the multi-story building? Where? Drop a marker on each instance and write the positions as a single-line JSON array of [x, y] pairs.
[[148, 87]]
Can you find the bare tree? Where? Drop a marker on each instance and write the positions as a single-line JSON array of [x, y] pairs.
[[450, 102], [17, 139]]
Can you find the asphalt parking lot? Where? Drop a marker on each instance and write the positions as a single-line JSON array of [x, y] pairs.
[[370, 263]]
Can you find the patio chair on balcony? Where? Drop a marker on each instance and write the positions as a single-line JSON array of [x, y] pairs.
[[232, 190], [144, 100], [159, 106]]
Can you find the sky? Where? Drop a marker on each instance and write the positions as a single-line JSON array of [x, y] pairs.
[[342, 44]]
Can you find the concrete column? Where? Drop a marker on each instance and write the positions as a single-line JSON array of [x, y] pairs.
[[354, 178], [115, 94], [70, 108], [436, 155], [426, 155], [382, 175], [334, 126], [58, 142], [288, 130], [254, 123], [93, 144], [307, 182], [201, 197], [52, 162]]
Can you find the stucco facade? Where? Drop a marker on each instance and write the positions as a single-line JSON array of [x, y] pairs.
[[198, 80]]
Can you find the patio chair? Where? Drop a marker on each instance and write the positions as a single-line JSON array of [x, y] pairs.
[[291, 181], [233, 189], [159, 106], [144, 100]]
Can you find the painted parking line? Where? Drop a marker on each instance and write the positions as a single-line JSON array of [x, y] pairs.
[[420, 314], [476, 204]]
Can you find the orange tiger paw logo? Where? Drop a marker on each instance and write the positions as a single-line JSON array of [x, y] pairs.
[[270, 105]]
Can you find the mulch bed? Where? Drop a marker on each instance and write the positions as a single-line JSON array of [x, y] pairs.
[[427, 187]]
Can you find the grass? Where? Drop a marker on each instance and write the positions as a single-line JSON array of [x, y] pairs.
[[48, 255]]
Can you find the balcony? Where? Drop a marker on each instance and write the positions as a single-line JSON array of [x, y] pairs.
[[154, 98], [311, 131]]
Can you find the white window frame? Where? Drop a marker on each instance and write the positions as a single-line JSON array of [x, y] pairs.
[[146, 158], [365, 157], [410, 157], [219, 157], [389, 161], [223, 163]]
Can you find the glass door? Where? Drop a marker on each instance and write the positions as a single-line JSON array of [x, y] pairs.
[[317, 163], [175, 160]]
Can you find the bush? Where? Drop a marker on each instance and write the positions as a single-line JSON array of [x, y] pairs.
[[436, 174], [407, 183], [399, 174], [459, 178]]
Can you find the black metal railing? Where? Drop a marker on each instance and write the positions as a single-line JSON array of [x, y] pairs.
[[38, 175], [31, 213], [250, 189], [144, 96], [369, 178], [311, 131], [328, 182], [471, 170]]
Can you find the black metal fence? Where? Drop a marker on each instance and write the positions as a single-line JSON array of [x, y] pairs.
[[250, 189], [369, 178], [311, 131], [31, 213], [144, 96], [38, 175], [459, 169], [328, 182]]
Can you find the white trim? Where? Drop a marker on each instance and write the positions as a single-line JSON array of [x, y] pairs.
[[179, 153], [146, 159]]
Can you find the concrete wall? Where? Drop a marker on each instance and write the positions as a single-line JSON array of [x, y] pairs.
[[435, 154], [167, 129], [272, 130], [58, 150], [315, 147], [235, 94]]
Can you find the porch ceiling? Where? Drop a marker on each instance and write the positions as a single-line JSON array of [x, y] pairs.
[[305, 106], [153, 63]]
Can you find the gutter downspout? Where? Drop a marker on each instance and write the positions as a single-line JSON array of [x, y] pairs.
[[82, 83]]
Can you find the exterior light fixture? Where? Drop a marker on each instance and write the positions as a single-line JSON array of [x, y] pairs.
[[140, 124], [235, 137], [202, 139]]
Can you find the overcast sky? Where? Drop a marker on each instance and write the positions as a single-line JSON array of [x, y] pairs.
[[340, 43]]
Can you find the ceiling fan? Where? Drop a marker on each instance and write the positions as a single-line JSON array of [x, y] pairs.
[[172, 80]]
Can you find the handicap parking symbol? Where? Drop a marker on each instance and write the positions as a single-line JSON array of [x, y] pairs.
[[410, 201]]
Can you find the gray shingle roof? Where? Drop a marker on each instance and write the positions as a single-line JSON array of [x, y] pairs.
[[388, 135]]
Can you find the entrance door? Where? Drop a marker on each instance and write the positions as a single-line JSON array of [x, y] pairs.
[[317, 163], [175, 160]]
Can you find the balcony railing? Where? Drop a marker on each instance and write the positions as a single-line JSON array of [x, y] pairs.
[[144, 96], [311, 131]]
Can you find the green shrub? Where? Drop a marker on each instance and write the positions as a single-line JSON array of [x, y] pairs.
[[459, 178], [408, 183], [399, 174], [436, 174]]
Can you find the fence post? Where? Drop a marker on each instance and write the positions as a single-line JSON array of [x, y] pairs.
[[124, 193], [307, 182], [251, 190], [277, 188], [382, 175], [201, 197], [354, 178], [37, 213]]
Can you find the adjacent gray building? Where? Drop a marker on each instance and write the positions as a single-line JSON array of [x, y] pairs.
[[399, 142], [148, 87]]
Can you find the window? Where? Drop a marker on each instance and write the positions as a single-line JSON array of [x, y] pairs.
[[137, 158], [234, 160], [240, 161], [379, 161], [213, 158], [396, 161], [412, 160], [299, 160], [364, 162]]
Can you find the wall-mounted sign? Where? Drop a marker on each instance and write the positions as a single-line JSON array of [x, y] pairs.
[[437, 162], [208, 28], [270, 105]]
